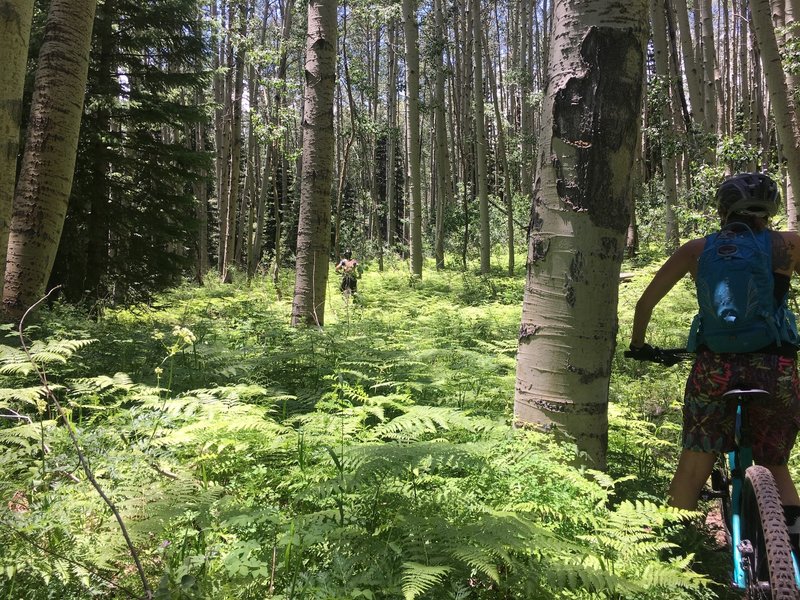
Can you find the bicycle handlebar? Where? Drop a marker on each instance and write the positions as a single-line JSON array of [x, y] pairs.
[[662, 356]]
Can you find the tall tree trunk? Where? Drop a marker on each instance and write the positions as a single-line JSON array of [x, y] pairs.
[[391, 136], [579, 218], [282, 198], [526, 132], [222, 84], [668, 160], [15, 32], [444, 181], [48, 162], [690, 68], [234, 100], [711, 77], [98, 230], [503, 159], [783, 108], [201, 199], [480, 138], [314, 235], [411, 31]]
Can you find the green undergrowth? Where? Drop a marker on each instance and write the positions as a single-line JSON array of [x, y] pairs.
[[373, 459]]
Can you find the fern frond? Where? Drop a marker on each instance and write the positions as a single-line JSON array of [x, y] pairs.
[[420, 421], [419, 578], [582, 575], [32, 396]]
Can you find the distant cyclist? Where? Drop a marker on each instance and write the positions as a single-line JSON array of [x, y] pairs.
[[350, 271], [745, 204]]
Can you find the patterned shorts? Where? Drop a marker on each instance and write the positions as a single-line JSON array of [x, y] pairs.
[[708, 420]]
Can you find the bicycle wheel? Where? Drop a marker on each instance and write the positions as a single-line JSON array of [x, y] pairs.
[[771, 574]]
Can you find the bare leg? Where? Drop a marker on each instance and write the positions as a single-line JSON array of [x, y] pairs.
[[693, 471]]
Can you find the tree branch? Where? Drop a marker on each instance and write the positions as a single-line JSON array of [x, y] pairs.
[[81, 456]]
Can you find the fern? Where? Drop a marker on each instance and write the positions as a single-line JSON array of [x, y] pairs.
[[419, 578]]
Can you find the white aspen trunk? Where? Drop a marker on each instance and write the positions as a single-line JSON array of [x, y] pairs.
[[690, 68], [480, 138], [711, 72], [48, 162], [234, 197], [668, 160], [503, 159], [579, 218], [314, 227], [391, 137], [783, 108], [444, 196], [411, 31], [15, 32]]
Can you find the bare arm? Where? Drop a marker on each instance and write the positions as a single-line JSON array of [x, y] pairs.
[[679, 264]]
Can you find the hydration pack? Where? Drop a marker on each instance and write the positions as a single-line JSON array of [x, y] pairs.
[[735, 293]]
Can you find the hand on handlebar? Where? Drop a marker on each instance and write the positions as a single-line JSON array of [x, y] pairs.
[[658, 355], [643, 352]]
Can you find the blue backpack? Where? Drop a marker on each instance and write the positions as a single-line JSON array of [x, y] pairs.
[[735, 293]]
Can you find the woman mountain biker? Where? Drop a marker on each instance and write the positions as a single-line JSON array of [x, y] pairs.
[[749, 198]]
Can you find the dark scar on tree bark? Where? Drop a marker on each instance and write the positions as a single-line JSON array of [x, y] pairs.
[[595, 408], [527, 331], [587, 377], [596, 114]]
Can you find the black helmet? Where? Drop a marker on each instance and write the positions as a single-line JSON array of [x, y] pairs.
[[753, 194]]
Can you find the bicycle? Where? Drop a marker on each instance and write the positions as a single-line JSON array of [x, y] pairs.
[[763, 564]]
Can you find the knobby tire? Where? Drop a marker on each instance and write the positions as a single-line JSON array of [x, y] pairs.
[[764, 525]]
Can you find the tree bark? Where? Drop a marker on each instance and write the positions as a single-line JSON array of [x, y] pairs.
[[391, 137], [480, 138], [15, 31], [48, 162], [444, 184], [411, 31], [579, 217], [783, 108], [668, 160], [314, 235], [690, 69], [234, 161]]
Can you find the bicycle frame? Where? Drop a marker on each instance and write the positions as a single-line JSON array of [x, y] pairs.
[[750, 501], [739, 459]]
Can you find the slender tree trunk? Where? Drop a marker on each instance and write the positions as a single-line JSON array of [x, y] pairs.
[[525, 120], [711, 77], [48, 162], [223, 83], [668, 161], [391, 137], [235, 101], [314, 235], [15, 31], [783, 108], [480, 138], [690, 68], [579, 218], [443, 177], [279, 160], [201, 198], [411, 31], [98, 230], [503, 160]]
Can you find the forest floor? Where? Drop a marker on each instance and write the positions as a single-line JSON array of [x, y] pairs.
[[390, 425]]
